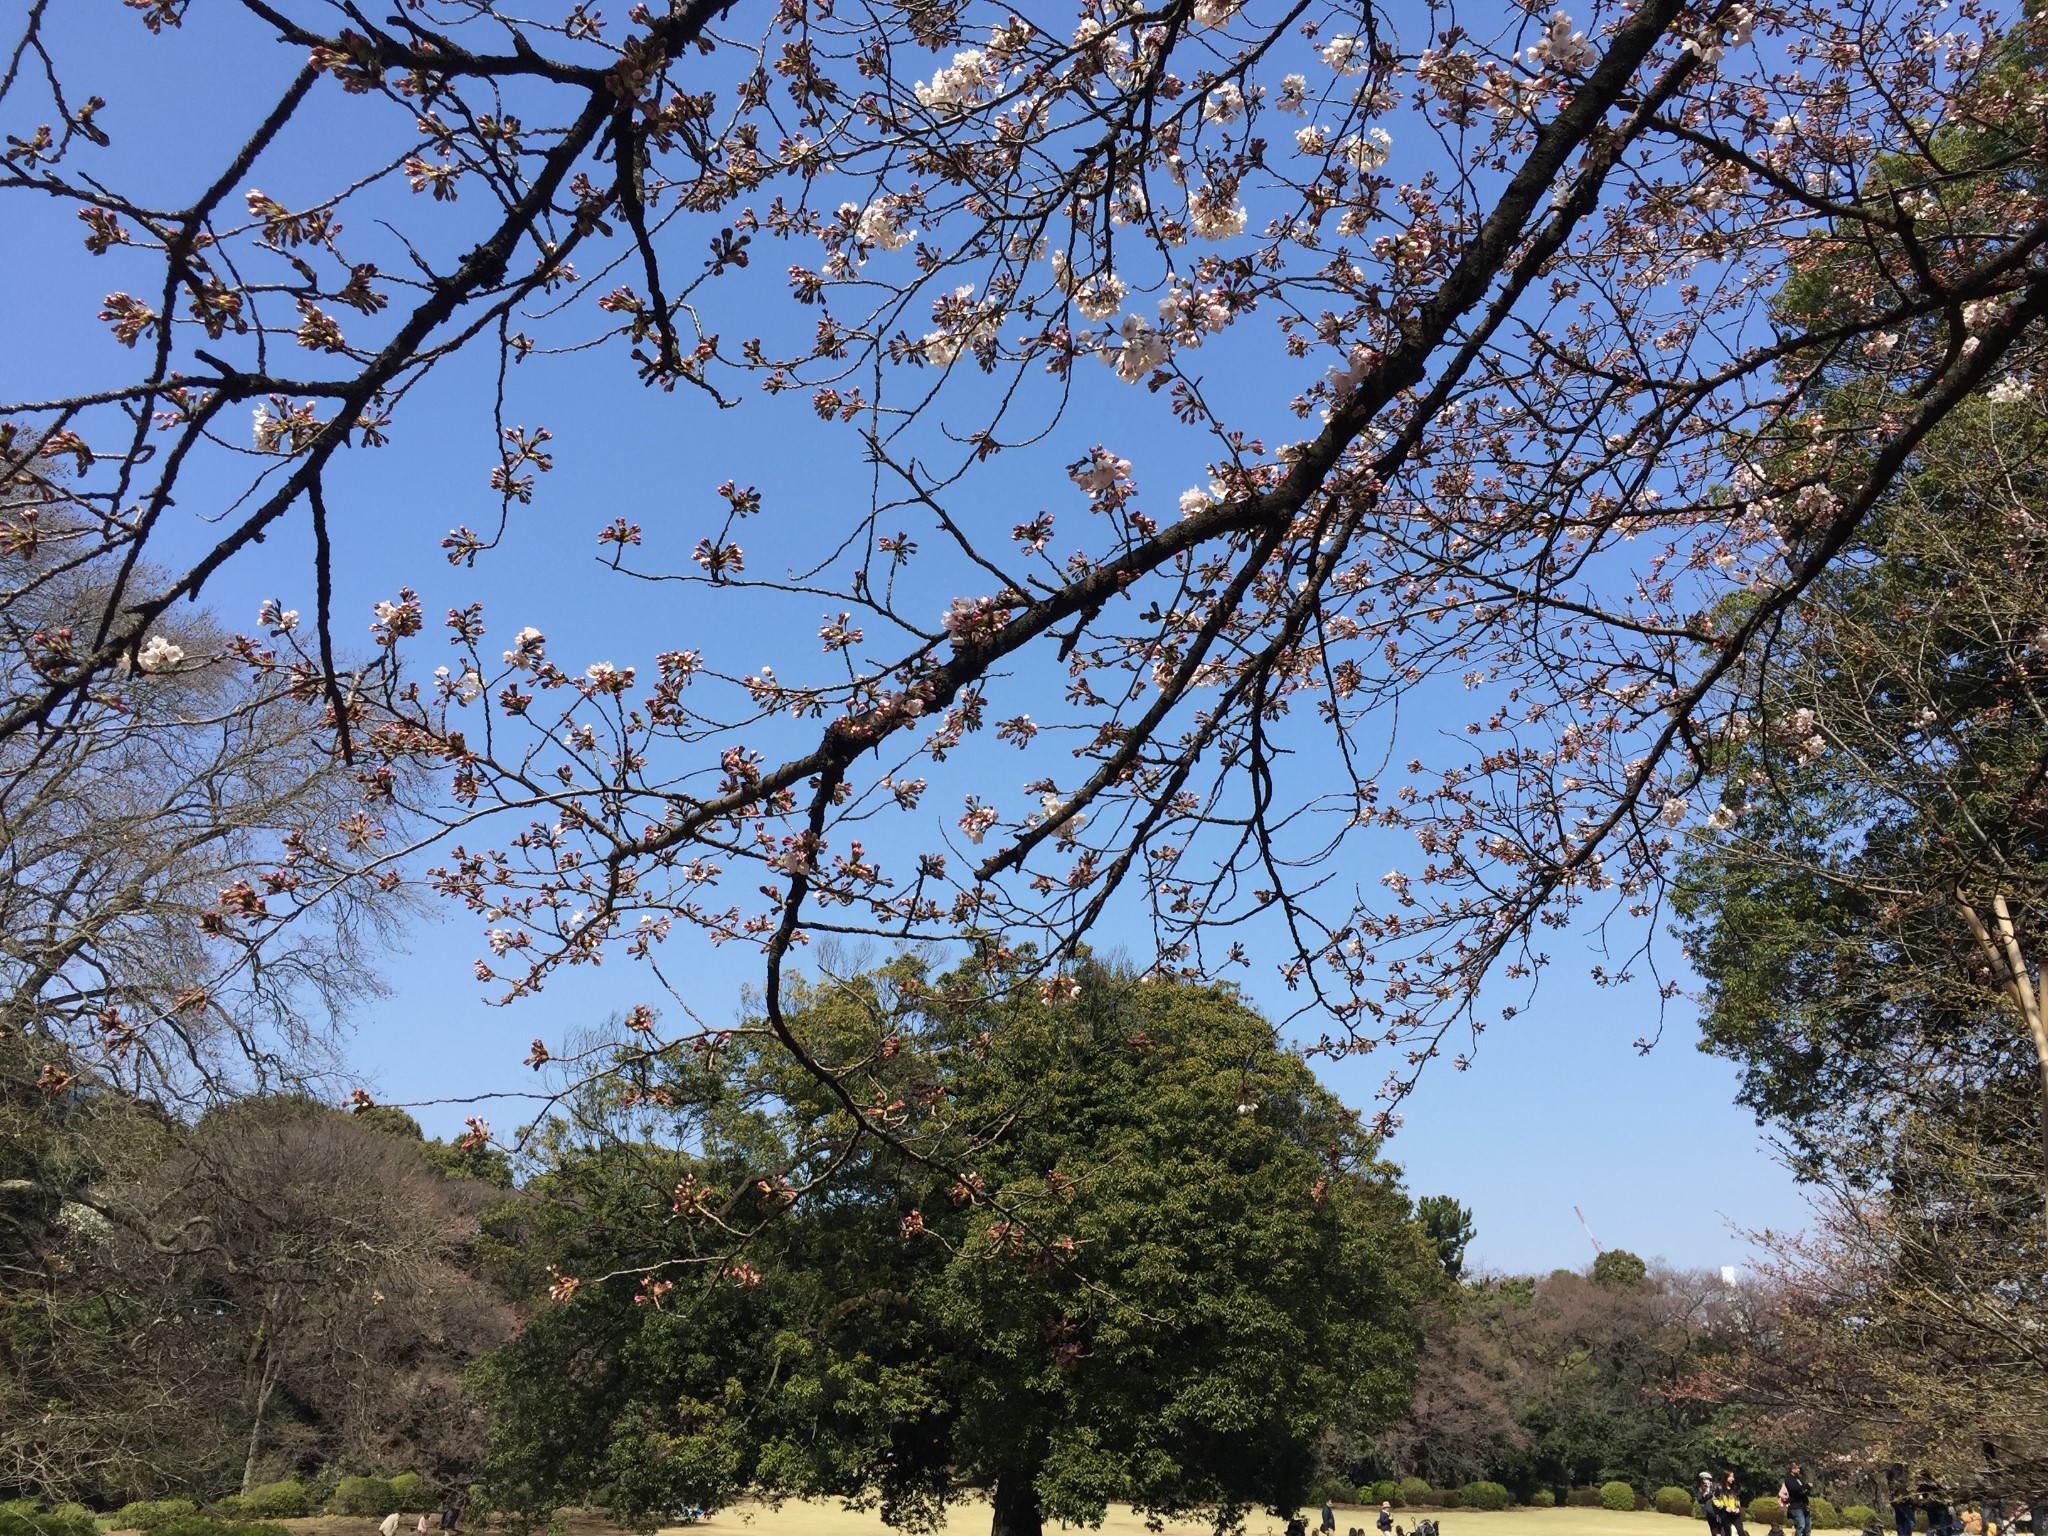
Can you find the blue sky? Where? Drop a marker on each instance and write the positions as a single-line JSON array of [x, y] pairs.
[[1557, 1110]]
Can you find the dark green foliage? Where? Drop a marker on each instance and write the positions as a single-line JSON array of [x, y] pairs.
[[1543, 1498], [25, 1517], [1483, 1495], [1616, 1494], [286, 1500], [1583, 1498], [1331, 1490], [1671, 1500], [363, 1496], [206, 1525], [1413, 1490], [1618, 1267], [1450, 1229], [148, 1514], [1167, 1279], [1824, 1513], [1857, 1516]]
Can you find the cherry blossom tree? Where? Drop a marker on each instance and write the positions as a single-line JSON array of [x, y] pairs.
[[1535, 413]]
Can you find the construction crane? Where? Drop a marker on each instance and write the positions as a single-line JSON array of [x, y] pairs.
[[1589, 1231]]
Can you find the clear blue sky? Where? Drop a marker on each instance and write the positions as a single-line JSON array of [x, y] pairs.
[[1558, 1109]]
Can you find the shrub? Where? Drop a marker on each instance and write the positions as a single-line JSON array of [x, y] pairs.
[[1543, 1498], [1672, 1501], [1443, 1498], [1412, 1490], [1385, 1491], [410, 1489], [25, 1517], [1328, 1490], [148, 1514], [1765, 1510], [1824, 1513], [1483, 1495], [1857, 1516], [205, 1525], [1617, 1495], [363, 1496], [1582, 1498], [285, 1500]]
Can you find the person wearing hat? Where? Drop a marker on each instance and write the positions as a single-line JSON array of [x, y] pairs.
[[1703, 1490]]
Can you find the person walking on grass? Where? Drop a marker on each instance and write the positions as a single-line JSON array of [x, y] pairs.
[[1703, 1491], [1329, 1519], [1386, 1519], [1798, 1501], [389, 1525]]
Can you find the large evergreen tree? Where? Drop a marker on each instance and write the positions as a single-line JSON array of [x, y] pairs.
[[1158, 1283]]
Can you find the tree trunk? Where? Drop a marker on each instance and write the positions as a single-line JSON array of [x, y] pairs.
[[2003, 950], [267, 1384], [1016, 1501]]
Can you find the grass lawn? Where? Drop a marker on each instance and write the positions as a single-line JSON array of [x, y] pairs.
[[809, 1518], [827, 1518]]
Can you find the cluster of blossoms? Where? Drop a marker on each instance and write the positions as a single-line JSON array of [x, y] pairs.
[[159, 655], [1101, 472], [1214, 213], [1368, 151], [1141, 350], [971, 618], [1100, 296], [964, 323], [529, 648], [880, 224], [1562, 49], [967, 80], [977, 820]]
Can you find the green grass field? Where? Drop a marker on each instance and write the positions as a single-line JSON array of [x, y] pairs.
[[807, 1518]]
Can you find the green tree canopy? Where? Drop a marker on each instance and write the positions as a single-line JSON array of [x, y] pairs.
[[1450, 1228], [1159, 1281]]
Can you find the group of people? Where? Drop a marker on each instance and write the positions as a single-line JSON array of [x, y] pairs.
[[1943, 1519], [1720, 1501], [390, 1523]]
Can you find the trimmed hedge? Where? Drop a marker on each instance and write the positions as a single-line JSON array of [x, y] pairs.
[[1765, 1510], [1858, 1516], [205, 1525], [1543, 1498], [148, 1514], [371, 1496], [410, 1489], [1670, 1500], [1617, 1495], [1824, 1513], [1483, 1495], [1413, 1490], [1385, 1491], [288, 1499]]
